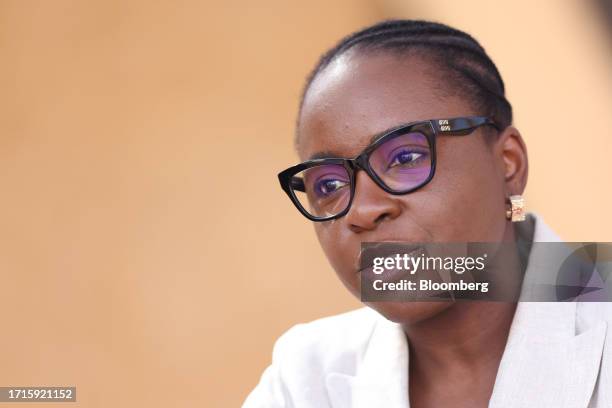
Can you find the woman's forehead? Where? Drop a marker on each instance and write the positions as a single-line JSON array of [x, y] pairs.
[[360, 95]]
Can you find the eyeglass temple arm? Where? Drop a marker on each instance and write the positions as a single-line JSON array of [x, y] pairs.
[[462, 126]]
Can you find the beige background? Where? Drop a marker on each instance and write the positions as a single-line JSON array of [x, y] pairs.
[[147, 255]]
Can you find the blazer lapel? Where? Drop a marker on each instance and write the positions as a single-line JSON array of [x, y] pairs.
[[381, 379], [545, 364]]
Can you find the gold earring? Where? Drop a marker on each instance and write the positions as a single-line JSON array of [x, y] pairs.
[[517, 208]]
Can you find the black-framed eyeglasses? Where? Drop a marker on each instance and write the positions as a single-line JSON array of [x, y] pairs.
[[399, 161]]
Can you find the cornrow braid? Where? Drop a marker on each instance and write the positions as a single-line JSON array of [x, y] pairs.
[[456, 52]]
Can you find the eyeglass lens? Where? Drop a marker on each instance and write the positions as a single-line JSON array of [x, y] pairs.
[[402, 163]]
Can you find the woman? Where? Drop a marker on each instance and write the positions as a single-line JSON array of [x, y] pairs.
[[395, 94]]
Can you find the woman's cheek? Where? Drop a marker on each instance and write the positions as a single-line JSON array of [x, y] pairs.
[[342, 256]]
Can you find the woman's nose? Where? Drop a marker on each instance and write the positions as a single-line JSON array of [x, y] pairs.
[[371, 205]]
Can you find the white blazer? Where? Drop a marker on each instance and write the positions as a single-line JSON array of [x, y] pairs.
[[558, 355]]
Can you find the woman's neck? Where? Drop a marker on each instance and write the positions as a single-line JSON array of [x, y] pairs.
[[466, 333], [457, 352], [455, 357]]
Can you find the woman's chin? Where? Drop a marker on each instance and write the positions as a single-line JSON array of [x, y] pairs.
[[409, 313]]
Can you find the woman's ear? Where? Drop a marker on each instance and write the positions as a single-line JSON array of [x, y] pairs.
[[512, 153]]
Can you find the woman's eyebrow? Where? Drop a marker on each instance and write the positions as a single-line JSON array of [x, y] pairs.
[[323, 155], [379, 134], [329, 154]]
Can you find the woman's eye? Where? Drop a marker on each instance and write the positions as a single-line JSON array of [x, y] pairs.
[[404, 158], [326, 187]]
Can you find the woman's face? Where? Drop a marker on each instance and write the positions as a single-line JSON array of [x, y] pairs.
[[358, 96]]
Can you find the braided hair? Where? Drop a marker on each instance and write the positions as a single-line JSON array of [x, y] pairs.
[[459, 55]]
